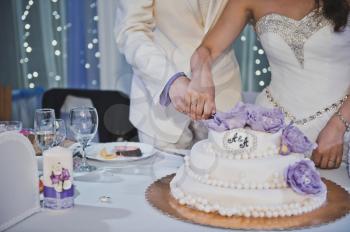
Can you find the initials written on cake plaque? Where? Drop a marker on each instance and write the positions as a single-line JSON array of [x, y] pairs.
[[239, 141]]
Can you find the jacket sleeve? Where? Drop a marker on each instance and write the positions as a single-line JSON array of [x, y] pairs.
[[134, 28]]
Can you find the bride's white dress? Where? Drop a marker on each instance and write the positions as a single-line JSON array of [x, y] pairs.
[[310, 67]]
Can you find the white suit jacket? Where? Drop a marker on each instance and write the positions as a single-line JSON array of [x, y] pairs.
[[158, 38]]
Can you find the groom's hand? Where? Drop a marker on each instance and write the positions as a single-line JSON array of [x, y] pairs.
[[177, 93]]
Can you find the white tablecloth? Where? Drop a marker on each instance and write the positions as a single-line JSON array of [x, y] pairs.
[[128, 209]]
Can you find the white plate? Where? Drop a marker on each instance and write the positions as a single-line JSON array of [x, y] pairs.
[[93, 151]]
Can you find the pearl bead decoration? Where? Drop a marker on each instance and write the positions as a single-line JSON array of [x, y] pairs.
[[284, 210], [276, 180]]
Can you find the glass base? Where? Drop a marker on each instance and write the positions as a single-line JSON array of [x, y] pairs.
[[53, 203], [85, 168], [81, 165]]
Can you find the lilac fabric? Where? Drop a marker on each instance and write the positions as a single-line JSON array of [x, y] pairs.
[[293, 140], [164, 98], [235, 118], [303, 178], [257, 117], [52, 193], [263, 119]]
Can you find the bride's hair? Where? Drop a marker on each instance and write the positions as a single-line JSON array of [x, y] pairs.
[[337, 11]]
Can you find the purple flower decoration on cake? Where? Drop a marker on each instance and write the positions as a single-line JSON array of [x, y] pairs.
[[257, 117], [304, 179], [217, 123], [263, 119], [235, 118], [293, 140]]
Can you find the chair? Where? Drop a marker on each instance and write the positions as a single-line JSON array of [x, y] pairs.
[[19, 195], [23, 102], [112, 108], [5, 103]]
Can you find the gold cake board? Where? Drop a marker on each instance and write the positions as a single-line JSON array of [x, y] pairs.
[[336, 207]]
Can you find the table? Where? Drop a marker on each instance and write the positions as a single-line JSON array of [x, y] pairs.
[[128, 209]]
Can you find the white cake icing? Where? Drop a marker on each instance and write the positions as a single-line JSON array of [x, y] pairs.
[[240, 173]]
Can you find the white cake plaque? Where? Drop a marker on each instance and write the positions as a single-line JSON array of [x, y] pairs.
[[239, 141]]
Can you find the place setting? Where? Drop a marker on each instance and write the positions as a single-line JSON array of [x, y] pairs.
[[83, 123], [117, 152]]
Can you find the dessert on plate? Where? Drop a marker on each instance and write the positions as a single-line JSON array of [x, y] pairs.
[[118, 151]]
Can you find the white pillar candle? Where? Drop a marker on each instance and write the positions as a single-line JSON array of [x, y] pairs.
[[58, 178]]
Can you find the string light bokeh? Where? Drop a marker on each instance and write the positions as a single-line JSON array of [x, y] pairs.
[[60, 27], [255, 69], [256, 78]]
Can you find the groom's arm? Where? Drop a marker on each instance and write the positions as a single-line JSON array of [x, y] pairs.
[[134, 37]]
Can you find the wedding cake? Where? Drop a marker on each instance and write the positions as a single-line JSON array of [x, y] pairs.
[[251, 165]]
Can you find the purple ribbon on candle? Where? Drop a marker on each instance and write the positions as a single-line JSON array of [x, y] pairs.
[[50, 192]]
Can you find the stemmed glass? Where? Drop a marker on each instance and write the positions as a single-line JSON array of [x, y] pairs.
[[60, 131], [83, 122], [10, 126], [44, 127]]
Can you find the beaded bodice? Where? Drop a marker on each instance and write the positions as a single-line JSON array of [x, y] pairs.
[[310, 67], [294, 32]]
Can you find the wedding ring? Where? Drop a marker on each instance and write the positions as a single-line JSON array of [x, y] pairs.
[[331, 162], [105, 199]]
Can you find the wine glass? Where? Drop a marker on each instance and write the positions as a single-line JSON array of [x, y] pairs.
[[60, 131], [44, 127], [10, 126], [83, 122]]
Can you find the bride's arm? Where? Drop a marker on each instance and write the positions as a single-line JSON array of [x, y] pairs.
[[200, 99], [228, 27], [330, 141]]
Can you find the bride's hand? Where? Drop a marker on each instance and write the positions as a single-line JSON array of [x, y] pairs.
[[329, 152], [200, 97]]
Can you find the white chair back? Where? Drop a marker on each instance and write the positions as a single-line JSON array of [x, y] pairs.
[[19, 194]]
